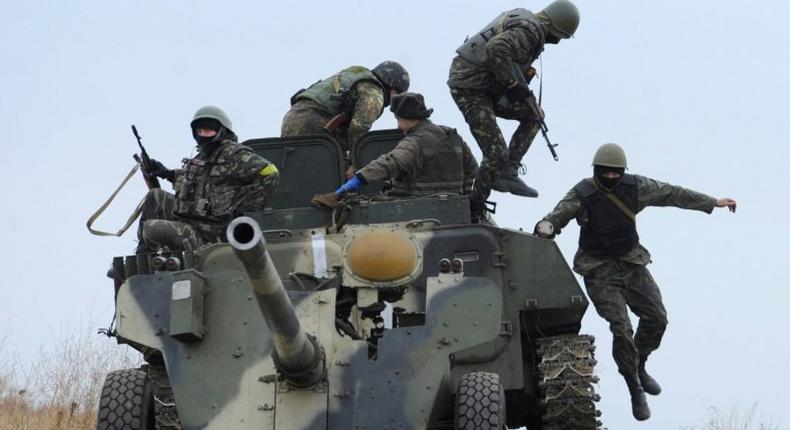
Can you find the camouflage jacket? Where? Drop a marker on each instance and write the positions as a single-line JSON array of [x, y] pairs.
[[521, 45], [368, 101], [431, 159], [227, 182], [650, 193]]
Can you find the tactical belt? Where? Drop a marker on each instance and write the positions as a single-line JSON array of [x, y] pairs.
[[104, 206]]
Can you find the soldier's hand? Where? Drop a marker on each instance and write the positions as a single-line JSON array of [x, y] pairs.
[[545, 229], [727, 202], [518, 93], [351, 185], [537, 109], [159, 170]]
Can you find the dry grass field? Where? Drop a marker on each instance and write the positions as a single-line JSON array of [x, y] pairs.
[[60, 388]]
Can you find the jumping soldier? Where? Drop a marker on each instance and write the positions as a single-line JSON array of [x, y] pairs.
[[345, 104], [430, 159], [612, 261], [223, 181], [488, 80]]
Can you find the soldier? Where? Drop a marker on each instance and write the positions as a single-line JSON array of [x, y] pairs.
[[612, 261], [485, 84], [223, 181], [345, 104], [431, 159]]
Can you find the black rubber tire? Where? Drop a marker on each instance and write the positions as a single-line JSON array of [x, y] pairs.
[[126, 402], [480, 402]]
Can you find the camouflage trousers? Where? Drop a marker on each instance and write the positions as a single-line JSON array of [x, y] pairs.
[[617, 286], [160, 228], [304, 119], [480, 112]]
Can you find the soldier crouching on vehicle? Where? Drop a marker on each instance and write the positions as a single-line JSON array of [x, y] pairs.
[[345, 104], [223, 181], [431, 159], [612, 261]]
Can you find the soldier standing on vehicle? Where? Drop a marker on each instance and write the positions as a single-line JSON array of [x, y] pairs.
[[485, 85], [431, 159], [345, 104], [223, 181], [612, 261]]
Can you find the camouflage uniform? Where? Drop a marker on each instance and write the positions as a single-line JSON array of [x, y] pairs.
[[307, 117], [431, 159], [477, 90], [617, 283], [210, 190]]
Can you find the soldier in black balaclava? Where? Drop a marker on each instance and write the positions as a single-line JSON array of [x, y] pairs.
[[613, 262], [224, 180]]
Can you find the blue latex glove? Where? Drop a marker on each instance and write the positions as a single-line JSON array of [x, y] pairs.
[[350, 185]]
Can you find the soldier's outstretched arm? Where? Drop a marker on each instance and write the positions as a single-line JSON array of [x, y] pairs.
[[367, 109], [568, 208], [657, 193], [404, 159]]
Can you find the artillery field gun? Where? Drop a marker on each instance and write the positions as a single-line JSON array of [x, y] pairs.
[[376, 314]]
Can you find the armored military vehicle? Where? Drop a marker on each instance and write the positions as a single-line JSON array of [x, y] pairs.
[[379, 313]]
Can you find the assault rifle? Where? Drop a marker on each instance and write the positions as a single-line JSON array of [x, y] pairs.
[[145, 163], [535, 105]]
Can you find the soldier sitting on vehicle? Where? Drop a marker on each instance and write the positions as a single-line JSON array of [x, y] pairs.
[[345, 104], [430, 159], [223, 181], [612, 261]]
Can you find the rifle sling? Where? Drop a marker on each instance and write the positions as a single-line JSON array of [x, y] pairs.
[[104, 206], [617, 202]]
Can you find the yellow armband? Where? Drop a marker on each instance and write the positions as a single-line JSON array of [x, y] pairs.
[[270, 169]]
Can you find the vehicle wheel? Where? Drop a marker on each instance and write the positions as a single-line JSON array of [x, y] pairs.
[[480, 402], [126, 402], [566, 368]]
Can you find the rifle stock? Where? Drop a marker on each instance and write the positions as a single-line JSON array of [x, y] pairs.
[[337, 121]]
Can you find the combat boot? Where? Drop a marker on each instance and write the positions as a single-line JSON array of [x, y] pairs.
[[639, 406], [509, 182], [648, 383]]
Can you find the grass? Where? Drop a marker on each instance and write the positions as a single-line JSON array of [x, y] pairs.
[[736, 419], [60, 389]]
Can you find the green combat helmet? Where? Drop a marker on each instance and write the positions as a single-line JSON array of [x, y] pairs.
[[393, 75], [563, 18], [213, 112], [610, 155]]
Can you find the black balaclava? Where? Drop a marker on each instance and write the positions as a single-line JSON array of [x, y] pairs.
[[608, 183], [552, 39], [208, 124]]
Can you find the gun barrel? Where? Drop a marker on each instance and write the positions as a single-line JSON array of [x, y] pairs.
[[297, 355]]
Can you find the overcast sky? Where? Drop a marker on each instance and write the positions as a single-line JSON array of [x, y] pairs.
[[696, 92]]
